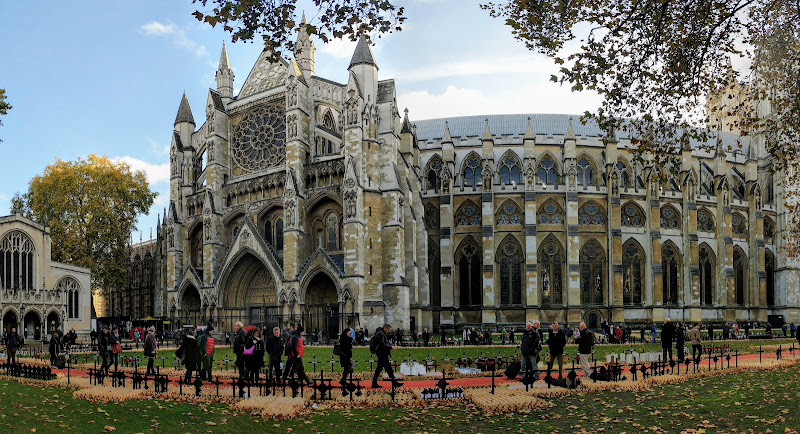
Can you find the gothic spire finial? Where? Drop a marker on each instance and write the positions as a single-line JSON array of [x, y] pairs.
[[487, 133], [406, 123], [224, 62], [570, 131], [446, 136], [529, 134], [184, 111], [362, 54]]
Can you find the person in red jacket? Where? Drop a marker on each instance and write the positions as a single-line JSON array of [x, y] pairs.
[[296, 356]]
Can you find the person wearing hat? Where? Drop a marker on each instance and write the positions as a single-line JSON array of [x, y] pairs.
[[150, 350], [207, 352]]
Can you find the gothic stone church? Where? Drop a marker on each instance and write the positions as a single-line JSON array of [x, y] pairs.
[[306, 200]]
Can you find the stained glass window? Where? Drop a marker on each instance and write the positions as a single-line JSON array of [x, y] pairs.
[[707, 270], [333, 232], [590, 213], [738, 224], [551, 272], [16, 261], [624, 173], [470, 275], [705, 220], [259, 137], [510, 254], [670, 264], [769, 268], [632, 215], [431, 216], [468, 214], [547, 172], [509, 214], [433, 170], [509, 170], [633, 261], [551, 214], [69, 286], [740, 274], [592, 261], [585, 172], [472, 171], [670, 219]]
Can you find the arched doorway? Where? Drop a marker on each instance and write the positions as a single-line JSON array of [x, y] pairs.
[[190, 306], [250, 295], [10, 321], [33, 326], [53, 323], [322, 307]]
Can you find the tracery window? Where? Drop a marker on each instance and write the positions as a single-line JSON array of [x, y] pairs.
[[705, 220], [548, 174], [592, 261], [510, 259], [197, 248], [472, 170], [17, 254], [551, 272], [470, 275], [70, 289], [707, 272], [509, 169], [670, 219], [769, 268], [769, 228], [468, 214], [625, 174], [431, 216], [434, 275], [590, 213], [259, 137], [434, 168], [273, 231], [633, 261], [328, 122], [585, 172], [632, 215], [738, 224], [551, 214], [509, 214], [332, 231], [740, 274], [670, 272]]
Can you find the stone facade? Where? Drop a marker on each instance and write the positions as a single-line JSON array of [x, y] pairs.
[[38, 295], [135, 301]]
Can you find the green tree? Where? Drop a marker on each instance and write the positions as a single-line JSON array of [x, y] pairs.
[[277, 21], [4, 106], [91, 206]]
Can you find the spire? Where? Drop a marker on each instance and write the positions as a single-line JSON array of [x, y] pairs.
[[224, 62], [446, 136], [184, 112], [304, 49], [487, 133], [529, 132], [224, 74], [363, 54], [303, 21], [406, 123], [570, 131]]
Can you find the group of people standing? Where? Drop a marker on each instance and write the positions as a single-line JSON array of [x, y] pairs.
[[532, 344]]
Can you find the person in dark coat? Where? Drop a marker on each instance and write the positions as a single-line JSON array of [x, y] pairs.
[[114, 338], [529, 348], [191, 355], [680, 341], [55, 347], [256, 361], [287, 338], [346, 357], [556, 344], [585, 343], [274, 347], [667, 336], [14, 343], [238, 347], [150, 350], [384, 349], [104, 348]]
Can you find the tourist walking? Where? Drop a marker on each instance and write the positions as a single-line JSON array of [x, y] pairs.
[[55, 347], [116, 348], [238, 347], [15, 342], [256, 361], [150, 350], [274, 348], [287, 336], [696, 340], [346, 354], [585, 343], [296, 352], [556, 345], [227, 338], [207, 349], [529, 348], [654, 333], [190, 353], [380, 346], [104, 349], [667, 335]]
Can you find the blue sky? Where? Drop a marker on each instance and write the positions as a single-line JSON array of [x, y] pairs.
[[107, 77]]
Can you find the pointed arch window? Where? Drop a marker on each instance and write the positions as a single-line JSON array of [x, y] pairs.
[[633, 261], [510, 169], [670, 273], [551, 214], [592, 260], [328, 122], [509, 214], [510, 258], [705, 220], [632, 215], [769, 229], [740, 275], [551, 272], [470, 275], [197, 247], [332, 231], [273, 231], [548, 172], [707, 273], [670, 218], [590, 213], [625, 174], [268, 232], [17, 253], [433, 169], [472, 171], [431, 216], [70, 289], [434, 272], [769, 267], [468, 214], [585, 172], [279, 234], [738, 225]]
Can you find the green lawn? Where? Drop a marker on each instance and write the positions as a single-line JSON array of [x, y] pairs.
[[758, 401]]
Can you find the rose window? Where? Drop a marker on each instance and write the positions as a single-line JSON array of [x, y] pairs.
[[259, 138]]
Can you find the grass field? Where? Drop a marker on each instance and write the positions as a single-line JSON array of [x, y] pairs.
[[755, 401]]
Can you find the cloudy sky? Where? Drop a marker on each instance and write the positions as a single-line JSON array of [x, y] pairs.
[[107, 77]]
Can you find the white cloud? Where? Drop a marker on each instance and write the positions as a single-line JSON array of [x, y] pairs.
[[156, 173], [176, 34], [338, 48], [473, 68], [158, 148]]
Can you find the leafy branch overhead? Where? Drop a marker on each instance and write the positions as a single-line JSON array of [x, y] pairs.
[[4, 106], [276, 20]]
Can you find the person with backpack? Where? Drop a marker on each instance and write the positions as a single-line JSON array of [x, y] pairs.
[[345, 353], [274, 348], [189, 352], [296, 350], [379, 345], [207, 353]]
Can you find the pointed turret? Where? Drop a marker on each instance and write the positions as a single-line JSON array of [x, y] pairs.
[[224, 74], [446, 138], [570, 132], [529, 132], [365, 70], [406, 123], [720, 147], [304, 49], [184, 112], [363, 54], [487, 133]]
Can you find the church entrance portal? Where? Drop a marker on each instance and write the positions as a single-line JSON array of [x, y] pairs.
[[33, 326], [250, 295], [10, 321], [53, 323], [322, 309], [190, 307]]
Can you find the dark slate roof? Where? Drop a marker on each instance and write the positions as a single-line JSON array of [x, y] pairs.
[[543, 124], [316, 77], [217, 100], [363, 54], [184, 111], [385, 91]]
